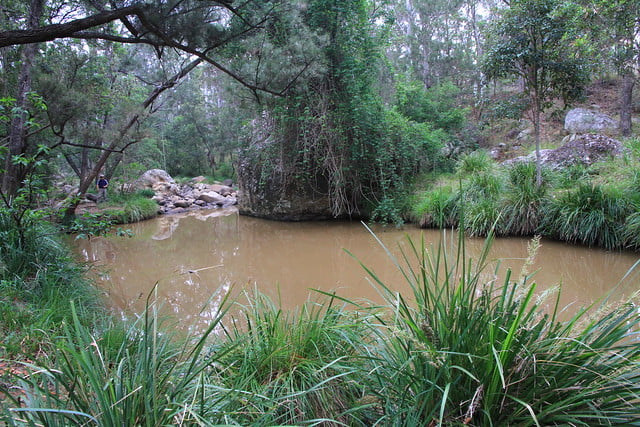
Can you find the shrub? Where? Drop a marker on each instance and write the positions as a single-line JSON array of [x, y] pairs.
[[288, 368], [30, 248], [38, 278], [483, 186], [146, 192], [591, 215], [138, 209], [481, 217], [141, 375]]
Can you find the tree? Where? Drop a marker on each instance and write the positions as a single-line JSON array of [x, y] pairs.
[[533, 41], [13, 172], [202, 31], [619, 22]]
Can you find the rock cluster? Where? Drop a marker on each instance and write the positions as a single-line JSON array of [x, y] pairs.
[[584, 149], [195, 194]]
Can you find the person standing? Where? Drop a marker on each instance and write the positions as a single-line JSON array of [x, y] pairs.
[[102, 185]]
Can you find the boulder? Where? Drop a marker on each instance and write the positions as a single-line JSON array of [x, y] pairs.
[[583, 120], [155, 178], [583, 149], [91, 197], [212, 197], [221, 189]]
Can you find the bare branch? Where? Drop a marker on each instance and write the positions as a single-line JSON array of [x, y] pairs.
[[55, 31]]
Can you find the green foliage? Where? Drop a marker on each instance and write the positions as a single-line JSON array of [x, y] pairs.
[[436, 106], [334, 138], [296, 366], [568, 177], [534, 40], [436, 208], [483, 186], [512, 107], [405, 148], [590, 214], [125, 208], [88, 225], [141, 375], [38, 278], [481, 217], [461, 350], [146, 192], [224, 170], [474, 163], [632, 230], [122, 208], [522, 205], [137, 209]]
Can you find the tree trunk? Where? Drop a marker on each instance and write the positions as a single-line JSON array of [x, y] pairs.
[[536, 133], [626, 101], [13, 174]]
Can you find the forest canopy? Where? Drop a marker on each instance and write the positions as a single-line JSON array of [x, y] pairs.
[[341, 102]]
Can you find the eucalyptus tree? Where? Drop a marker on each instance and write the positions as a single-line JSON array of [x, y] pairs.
[[534, 41], [213, 32], [618, 29], [439, 40], [16, 144]]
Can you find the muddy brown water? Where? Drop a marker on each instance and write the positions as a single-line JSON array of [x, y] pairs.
[[190, 261]]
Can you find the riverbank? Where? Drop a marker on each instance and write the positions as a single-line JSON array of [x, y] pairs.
[[596, 204]]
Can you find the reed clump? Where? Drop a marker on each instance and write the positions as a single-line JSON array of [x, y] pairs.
[[464, 350]]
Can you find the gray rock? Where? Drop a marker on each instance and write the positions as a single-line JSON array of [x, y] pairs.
[[221, 189], [153, 178], [582, 120], [212, 197], [92, 197], [583, 149]]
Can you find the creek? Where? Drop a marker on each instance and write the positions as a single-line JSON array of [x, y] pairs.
[[190, 261]]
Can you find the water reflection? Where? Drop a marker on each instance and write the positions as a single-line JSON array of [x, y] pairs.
[[196, 258]]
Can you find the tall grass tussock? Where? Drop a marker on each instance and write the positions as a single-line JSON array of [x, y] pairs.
[[591, 215], [460, 349], [38, 278]]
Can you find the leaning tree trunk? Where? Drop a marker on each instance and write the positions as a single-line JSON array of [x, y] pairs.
[[88, 180], [626, 101]]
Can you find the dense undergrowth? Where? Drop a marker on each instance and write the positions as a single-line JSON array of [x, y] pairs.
[[38, 281], [597, 205], [457, 351]]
